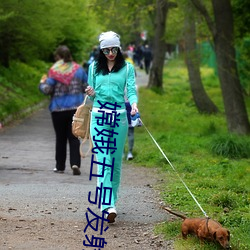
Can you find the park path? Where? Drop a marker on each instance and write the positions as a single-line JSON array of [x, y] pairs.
[[40, 209]]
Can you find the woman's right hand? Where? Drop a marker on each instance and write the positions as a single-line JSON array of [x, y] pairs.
[[134, 109], [90, 91]]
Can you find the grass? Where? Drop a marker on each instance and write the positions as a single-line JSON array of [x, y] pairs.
[[19, 88], [214, 164]]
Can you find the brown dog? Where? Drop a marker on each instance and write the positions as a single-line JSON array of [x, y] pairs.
[[204, 229]]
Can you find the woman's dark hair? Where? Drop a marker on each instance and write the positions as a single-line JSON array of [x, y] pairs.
[[102, 67], [63, 52]]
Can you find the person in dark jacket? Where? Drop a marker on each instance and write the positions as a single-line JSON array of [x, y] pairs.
[[147, 54]]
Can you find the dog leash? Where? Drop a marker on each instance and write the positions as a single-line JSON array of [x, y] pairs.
[[174, 169]]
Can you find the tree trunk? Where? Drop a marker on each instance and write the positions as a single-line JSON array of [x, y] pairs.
[[201, 99], [235, 109], [223, 38], [159, 46]]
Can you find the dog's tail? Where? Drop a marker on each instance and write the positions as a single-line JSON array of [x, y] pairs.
[[175, 213]]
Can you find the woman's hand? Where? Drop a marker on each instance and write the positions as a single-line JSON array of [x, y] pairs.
[[134, 109], [90, 91]]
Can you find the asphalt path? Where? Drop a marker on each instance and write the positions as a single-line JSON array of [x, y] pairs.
[[29, 189]]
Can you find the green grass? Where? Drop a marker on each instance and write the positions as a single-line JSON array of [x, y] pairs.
[[19, 88], [214, 164]]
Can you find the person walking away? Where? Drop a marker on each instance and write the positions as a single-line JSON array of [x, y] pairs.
[[147, 54], [108, 78], [93, 55], [139, 56], [65, 84]]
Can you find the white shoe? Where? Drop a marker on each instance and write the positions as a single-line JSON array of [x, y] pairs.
[[58, 171], [112, 213], [129, 156]]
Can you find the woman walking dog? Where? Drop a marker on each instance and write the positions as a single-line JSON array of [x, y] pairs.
[[108, 78]]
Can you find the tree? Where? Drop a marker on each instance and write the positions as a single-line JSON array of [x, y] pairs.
[[127, 17], [223, 38], [201, 99], [159, 44], [28, 33]]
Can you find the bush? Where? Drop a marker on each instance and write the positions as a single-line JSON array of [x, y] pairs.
[[231, 146]]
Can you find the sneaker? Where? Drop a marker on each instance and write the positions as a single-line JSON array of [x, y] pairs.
[[111, 214], [129, 156], [76, 170], [58, 171]]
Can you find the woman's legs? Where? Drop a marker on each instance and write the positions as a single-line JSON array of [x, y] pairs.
[[61, 139], [111, 157], [74, 143], [130, 139]]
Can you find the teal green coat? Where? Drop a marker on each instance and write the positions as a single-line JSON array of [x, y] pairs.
[[113, 86]]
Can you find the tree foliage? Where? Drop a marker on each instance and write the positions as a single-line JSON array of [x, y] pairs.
[[175, 25], [242, 35], [28, 33], [126, 17], [241, 18], [33, 29]]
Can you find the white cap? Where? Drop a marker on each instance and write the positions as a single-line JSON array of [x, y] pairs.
[[109, 39]]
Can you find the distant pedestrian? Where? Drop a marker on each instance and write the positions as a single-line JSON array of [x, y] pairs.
[[138, 55], [147, 55], [93, 55], [65, 84]]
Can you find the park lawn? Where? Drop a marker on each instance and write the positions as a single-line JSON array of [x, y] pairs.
[[193, 143]]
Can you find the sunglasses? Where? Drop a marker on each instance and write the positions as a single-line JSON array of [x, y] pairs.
[[106, 51]]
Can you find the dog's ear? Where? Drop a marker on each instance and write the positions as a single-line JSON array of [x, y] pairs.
[[214, 235], [228, 237]]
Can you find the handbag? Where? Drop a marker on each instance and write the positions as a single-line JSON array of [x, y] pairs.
[[81, 125]]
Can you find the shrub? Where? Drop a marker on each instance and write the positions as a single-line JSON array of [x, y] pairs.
[[231, 146]]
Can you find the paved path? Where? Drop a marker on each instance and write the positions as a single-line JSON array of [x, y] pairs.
[[141, 78], [40, 209]]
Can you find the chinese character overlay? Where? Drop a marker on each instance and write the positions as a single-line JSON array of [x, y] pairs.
[[105, 143]]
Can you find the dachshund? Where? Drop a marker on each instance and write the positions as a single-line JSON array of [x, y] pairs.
[[204, 229]]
